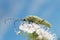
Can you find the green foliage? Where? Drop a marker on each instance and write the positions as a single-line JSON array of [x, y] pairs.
[[33, 36]]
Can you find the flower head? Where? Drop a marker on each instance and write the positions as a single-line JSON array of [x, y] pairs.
[[33, 28]]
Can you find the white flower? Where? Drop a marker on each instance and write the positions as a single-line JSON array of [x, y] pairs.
[[36, 27], [45, 34], [40, 37], [27, 28], [30, 28]]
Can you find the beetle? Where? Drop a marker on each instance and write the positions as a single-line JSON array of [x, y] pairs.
[[37, 20], [34, 19]]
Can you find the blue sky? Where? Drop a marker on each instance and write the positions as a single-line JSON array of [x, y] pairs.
[[46, 9]]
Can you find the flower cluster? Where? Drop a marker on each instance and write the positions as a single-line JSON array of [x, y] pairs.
[[36, 32]]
